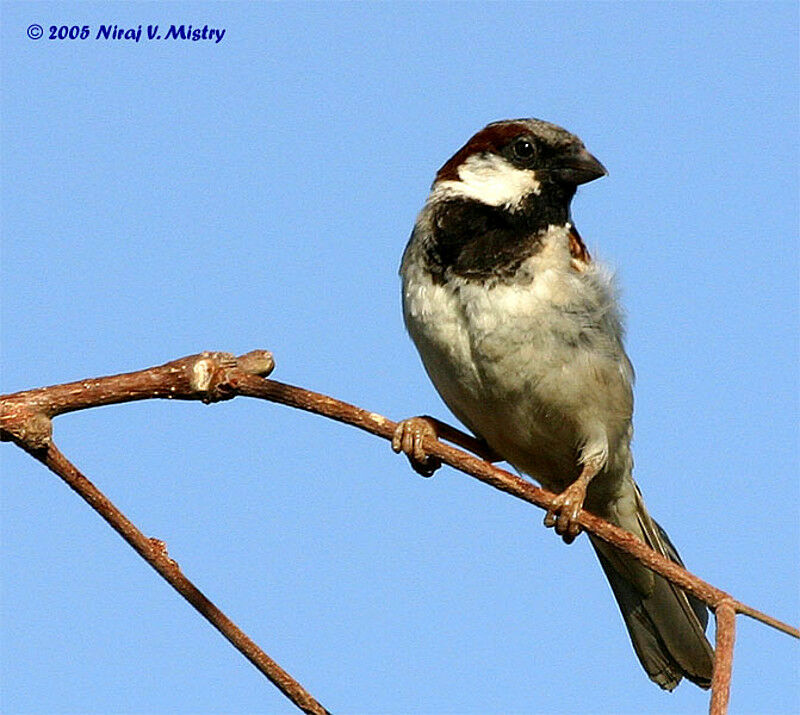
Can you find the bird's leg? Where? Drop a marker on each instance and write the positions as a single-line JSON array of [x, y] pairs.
[[408, 438], [563, 512]]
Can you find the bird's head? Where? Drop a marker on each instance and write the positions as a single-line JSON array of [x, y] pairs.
[[507, 161]]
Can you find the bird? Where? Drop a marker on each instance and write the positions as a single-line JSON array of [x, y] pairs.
[[521, 332]]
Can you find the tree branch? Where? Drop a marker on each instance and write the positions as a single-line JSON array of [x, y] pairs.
[[25, 418], [723, 663], [504, 481]]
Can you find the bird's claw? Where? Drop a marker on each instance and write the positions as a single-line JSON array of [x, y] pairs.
[[408, 438], [563, 512]]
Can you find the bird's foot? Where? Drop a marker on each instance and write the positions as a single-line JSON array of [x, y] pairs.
[[563, 512], [408, 438]]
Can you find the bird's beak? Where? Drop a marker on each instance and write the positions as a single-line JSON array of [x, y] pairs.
[[577, 167]]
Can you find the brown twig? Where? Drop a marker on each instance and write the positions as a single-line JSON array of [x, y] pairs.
[[499, 479], [723, 658], [154, 552], [25, 415], [25, 419]]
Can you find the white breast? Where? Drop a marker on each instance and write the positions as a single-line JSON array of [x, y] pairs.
[[535, 366]]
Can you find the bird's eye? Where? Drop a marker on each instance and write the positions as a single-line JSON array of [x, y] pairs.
[[524, 149]]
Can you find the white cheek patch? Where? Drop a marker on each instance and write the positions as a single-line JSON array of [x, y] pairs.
[[491, 180]]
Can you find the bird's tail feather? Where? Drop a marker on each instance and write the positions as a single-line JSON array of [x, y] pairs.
[[666, 625]]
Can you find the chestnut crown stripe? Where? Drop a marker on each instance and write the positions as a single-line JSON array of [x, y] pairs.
[[490, 139]]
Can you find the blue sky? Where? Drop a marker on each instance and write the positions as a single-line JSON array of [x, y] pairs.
[[162, 198]]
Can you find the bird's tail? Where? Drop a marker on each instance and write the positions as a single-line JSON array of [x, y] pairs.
[[666, 625]]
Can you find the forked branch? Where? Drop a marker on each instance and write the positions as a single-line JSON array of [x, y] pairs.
[[25, 418]]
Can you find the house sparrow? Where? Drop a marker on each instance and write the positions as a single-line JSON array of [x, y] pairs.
[[521, 333]]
